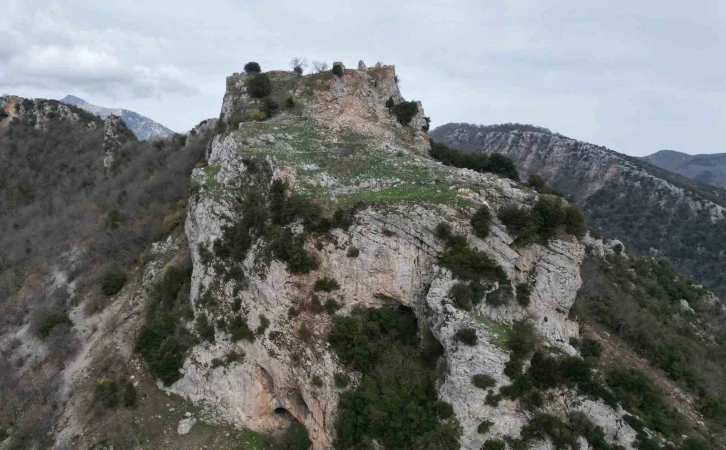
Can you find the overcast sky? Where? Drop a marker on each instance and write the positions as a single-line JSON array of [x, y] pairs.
[[635, 76]]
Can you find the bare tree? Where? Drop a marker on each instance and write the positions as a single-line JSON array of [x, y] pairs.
[[298, 65], [320, 66]]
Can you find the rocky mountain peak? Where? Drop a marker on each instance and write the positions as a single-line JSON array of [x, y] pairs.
[[143, 127]]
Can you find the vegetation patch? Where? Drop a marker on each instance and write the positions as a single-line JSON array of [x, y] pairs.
[[467, 336], [326, 284], [50, 321], [481, 222], [112, 280], [404, 112], [483, 381], [164, 341], [494, 163], [542, 222], [639, 300], [259, 86], [396, 401]]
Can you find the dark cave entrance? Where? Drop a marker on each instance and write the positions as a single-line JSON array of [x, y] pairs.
[[284, 414]]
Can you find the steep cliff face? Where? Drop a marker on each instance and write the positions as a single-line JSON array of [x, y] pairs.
[[339, 145], [651, 210]]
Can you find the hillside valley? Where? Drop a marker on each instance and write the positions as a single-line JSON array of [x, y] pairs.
[[651, 210], [310, 271]]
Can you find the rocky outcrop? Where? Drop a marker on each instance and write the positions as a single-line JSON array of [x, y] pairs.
[[142, 127], [397, 261]]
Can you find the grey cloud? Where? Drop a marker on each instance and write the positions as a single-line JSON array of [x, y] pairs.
[[635, 76]]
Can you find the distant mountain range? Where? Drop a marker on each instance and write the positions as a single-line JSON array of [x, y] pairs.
[[709, 169], [651, 209], [143, 127]]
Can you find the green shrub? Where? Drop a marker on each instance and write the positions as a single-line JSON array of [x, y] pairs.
[[484, 427], [390, 103], [548, 215], [398, 383], [483, 381], [217, 362], [47, 323], [252, 67], [513, 368], [296, 437], [269, 107], [405, 111], [500, 296], [264, 323], [542, 426], [341, 380], [112, 280], [106, 392], [205, 328], [519, 222], [317, 381], [238, 329], [315, 306], [259, 86], [444, 410], [523, 340], [590, 348], [462, 296], [164, 340], [331, 306], [443, 231], [466, 263], [523, 293], [493, 444], [574, 221], [352, 252], [290, 102], [467, 336], [481, 222], [536, 182], [129, 395], [338, 70], [326, 284], [494, 163]]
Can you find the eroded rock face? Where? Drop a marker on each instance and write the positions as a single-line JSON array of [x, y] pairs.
[[287, 370]]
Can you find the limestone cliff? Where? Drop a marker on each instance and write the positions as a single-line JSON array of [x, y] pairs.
[[340, 145]]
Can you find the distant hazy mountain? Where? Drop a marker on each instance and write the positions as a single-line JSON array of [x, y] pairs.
[[710, 169], [143, 127]]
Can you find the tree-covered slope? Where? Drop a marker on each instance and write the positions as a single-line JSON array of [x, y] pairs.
[[652, 210]]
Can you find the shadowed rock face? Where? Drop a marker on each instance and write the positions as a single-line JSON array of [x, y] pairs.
[[649, 209], [340, 143]]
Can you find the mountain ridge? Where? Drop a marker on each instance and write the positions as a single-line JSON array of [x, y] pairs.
[[143, 127], [705, 168], [608, 185]]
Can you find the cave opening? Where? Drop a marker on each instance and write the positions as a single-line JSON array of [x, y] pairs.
[[400, 307], [284, 414]]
